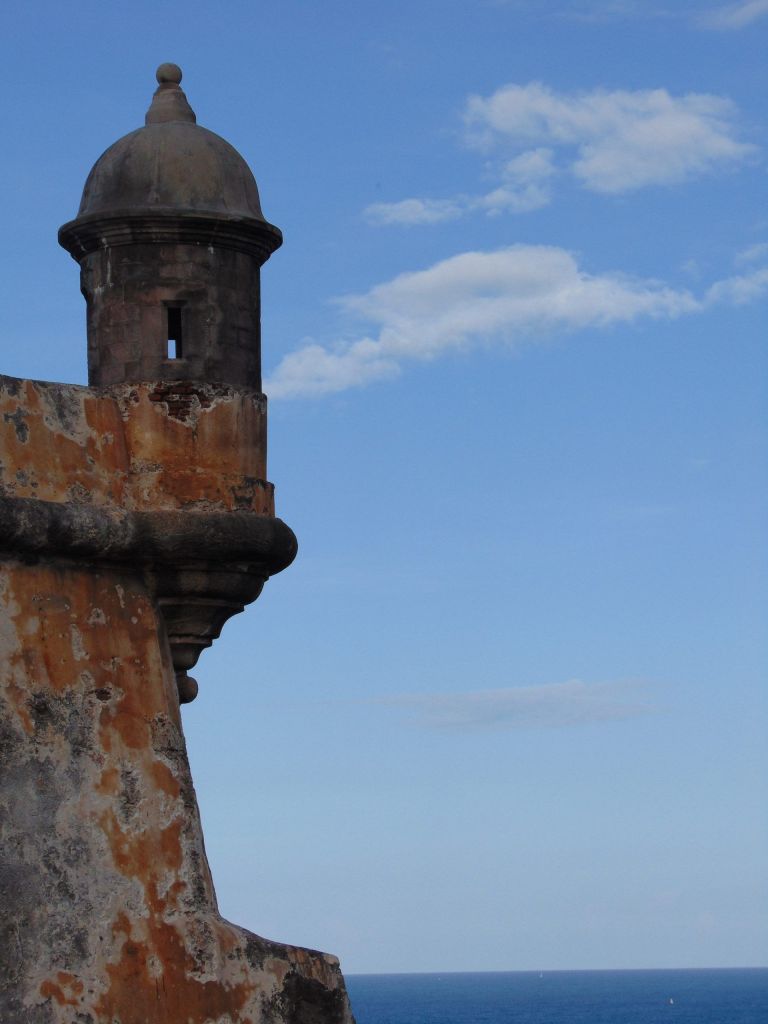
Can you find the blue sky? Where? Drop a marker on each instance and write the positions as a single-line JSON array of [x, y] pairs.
[[507, 709]]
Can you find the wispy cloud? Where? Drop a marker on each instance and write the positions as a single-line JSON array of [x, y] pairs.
[[524, 183], [739, 289], [415, 211], [501, 297], [611, 142], [752, 253], [548, 706], [618, 141], [731, 17], [523, 186]]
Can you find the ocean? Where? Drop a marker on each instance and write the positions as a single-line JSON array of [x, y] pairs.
[[715, 996]]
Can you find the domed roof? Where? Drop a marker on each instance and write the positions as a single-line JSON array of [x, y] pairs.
[[172, 166]]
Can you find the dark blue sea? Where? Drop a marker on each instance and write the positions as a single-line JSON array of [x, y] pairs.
[[727, 996]]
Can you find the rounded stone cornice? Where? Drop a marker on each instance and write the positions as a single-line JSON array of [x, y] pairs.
[[153, 538], [201, 568], [88, 234]]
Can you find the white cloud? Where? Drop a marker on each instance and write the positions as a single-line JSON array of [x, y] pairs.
[[610, 142], [474, 297], [550, 705], [314, 370], [752, 253], [738, 290], [500, 297], [524, 184], [414, 211], [523, 187], [616, 141], [735, 16]]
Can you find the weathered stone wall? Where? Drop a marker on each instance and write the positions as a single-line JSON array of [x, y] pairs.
[[164, 445], [107, 908], [109, 912], [217, 291]]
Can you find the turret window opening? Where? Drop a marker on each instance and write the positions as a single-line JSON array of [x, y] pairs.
[[174, 343]]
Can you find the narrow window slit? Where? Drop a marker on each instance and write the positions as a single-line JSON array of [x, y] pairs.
[[174, 332]]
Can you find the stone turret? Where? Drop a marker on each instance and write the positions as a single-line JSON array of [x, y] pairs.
[[170, 238], [135, 519]]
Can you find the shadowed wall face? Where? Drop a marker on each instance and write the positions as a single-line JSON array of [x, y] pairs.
[[198, 319]]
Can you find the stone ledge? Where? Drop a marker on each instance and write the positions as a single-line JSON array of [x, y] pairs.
[[88, 234], [32, 526]]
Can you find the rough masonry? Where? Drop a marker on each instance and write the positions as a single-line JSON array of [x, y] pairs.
[[135, 519]]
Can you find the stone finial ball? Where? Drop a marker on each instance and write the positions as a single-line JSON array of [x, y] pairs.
[[169, 73], [187, 687]]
